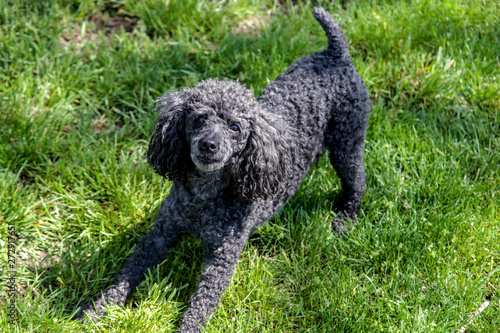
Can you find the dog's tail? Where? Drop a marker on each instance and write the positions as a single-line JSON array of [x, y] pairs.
[[337, 43]]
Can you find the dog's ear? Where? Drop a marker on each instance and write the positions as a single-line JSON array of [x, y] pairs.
[[168, 151], [266, 159]]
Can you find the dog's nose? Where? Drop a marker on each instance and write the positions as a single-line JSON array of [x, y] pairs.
[[208, 146]]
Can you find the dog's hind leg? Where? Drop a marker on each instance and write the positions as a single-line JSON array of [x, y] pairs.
[[345, 141]]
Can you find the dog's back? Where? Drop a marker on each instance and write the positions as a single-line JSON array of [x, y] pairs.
[[317, 88]]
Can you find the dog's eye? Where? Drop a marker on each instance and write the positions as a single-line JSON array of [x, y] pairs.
[[201, 119], [235, 128]]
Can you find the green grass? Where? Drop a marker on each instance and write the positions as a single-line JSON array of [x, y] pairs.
[[75, 96]]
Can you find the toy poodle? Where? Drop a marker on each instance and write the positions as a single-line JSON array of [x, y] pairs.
[[235, 161]]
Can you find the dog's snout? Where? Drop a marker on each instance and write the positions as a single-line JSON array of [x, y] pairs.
[[208, 146]]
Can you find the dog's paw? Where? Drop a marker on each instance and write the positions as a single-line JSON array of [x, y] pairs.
[[88, 312], [343, 224]]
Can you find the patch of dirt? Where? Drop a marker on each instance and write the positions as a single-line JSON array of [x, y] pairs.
[[34, 258], [100, 124], [88, 30], [113, 23], [37, 259], [252, 25]]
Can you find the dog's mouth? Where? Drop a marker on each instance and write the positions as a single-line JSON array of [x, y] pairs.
[[206, 160], [206, 163]]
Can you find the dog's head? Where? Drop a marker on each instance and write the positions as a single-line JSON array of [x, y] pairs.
[[218, 126]]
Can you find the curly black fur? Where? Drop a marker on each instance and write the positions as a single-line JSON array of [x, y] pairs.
[[168, 152], [236, 160]]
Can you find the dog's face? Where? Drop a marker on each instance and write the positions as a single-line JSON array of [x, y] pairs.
[[215, 136], [219, 125]]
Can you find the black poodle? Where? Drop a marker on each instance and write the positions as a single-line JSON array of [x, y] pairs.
[[235, 161]]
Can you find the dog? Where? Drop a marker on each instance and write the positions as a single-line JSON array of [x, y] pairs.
[[235, 161]]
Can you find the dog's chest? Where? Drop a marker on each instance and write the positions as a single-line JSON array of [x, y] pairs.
[[205, 217]]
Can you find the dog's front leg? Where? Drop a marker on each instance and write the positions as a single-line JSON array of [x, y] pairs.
[[219, 265], [150, 251]]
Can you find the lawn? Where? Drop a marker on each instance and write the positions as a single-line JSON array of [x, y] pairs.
[[77, 82]]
